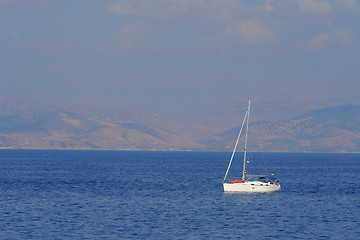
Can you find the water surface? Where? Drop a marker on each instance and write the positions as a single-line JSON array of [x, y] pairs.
[[174, 195]]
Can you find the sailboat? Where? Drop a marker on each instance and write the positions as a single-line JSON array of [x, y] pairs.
[[249, 183]]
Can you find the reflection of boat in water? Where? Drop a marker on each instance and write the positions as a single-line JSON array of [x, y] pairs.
[[249, 183]]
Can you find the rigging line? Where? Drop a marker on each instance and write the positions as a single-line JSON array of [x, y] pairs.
[[237, 141], [246, 139], [263, 157]]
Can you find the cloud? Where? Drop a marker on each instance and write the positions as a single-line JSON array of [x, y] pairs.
[[319, 41], [268, 5], [348, 4], [314, 6], [343, 36], [249, 32], [140, 8], [205, 9], [36, 2], [228, 21], [129, 36]]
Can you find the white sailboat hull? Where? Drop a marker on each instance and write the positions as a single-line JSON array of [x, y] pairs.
[[251, 187]]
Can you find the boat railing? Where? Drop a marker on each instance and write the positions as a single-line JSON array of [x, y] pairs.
[[256, 177]]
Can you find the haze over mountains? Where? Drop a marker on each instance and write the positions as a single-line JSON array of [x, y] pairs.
[[291, 121], [277, 104]]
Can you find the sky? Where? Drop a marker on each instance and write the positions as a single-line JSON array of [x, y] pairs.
[[174, 57]]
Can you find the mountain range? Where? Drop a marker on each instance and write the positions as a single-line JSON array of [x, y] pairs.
[[332, 129], [28, 122]]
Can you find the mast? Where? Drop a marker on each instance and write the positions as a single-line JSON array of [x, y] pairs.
[[246, 138]]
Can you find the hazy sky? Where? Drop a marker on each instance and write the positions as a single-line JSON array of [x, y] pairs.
[[174, 57]]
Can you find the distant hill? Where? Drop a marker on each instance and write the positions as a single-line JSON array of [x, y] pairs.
[[333, 129], [28, 122]]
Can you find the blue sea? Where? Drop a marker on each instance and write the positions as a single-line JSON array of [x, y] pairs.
[[51, 194]]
